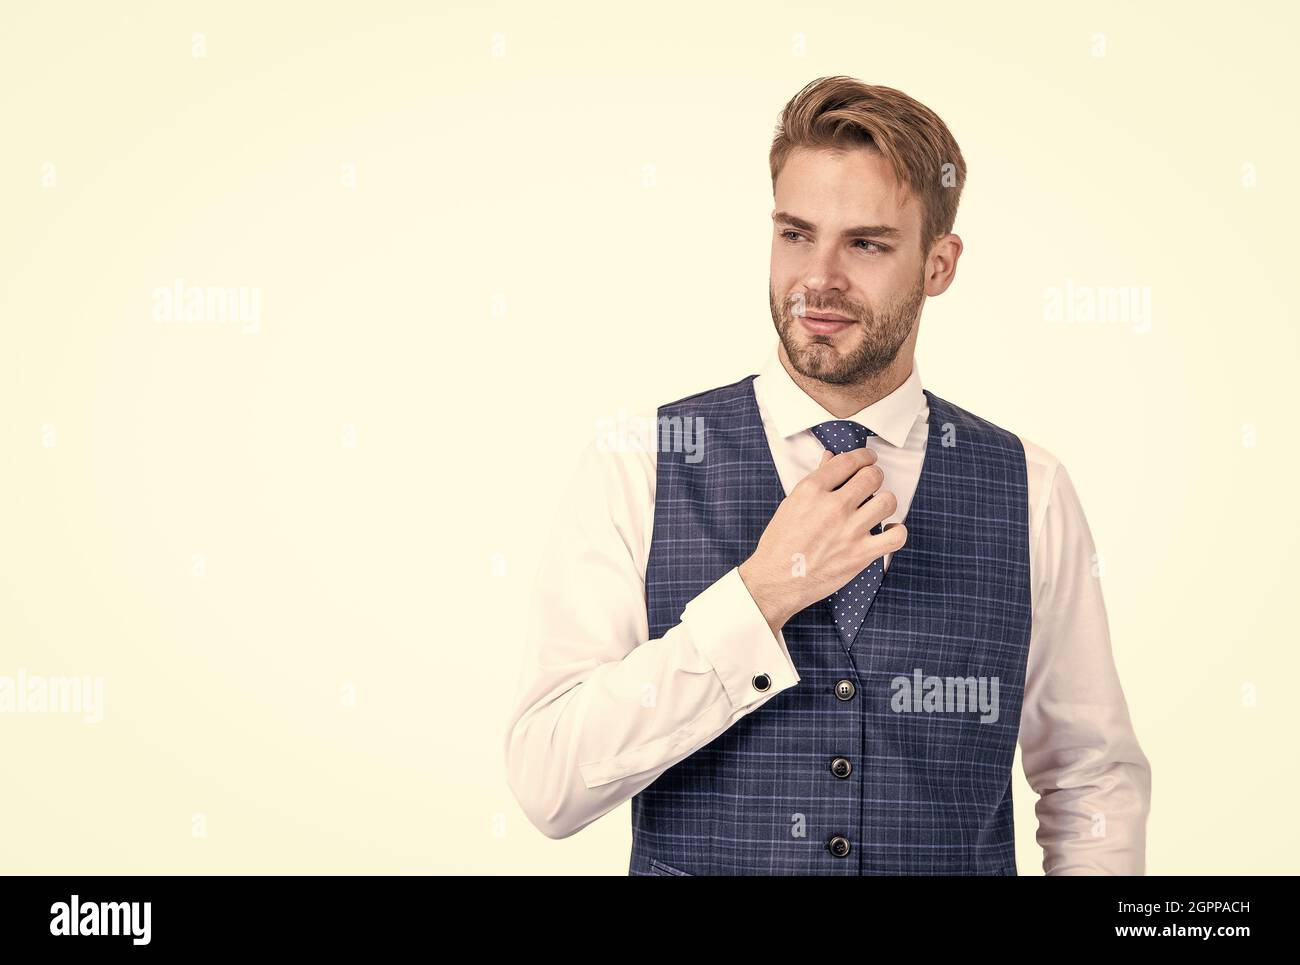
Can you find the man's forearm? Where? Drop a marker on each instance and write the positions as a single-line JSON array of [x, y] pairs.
[[588, 735]]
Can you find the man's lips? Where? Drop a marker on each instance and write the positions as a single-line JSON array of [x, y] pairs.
[[824, 323]]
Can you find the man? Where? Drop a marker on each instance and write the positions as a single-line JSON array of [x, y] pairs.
[[743, 637]]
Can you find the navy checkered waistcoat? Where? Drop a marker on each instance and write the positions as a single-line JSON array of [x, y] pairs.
[[927, 792]]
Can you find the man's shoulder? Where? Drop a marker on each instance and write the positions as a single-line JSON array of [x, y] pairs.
[[1039, 460], [722, 394], [1037, 457], [623, 449], [962, 418], [1041, 464]]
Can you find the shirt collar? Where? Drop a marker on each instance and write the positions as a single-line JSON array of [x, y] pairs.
[[792, 410]]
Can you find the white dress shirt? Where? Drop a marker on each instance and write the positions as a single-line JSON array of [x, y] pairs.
[[602, 710]]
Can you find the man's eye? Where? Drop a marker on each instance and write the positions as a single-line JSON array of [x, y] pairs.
[[793, 236]]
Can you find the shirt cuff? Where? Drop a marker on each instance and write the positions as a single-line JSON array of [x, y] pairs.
[[730, 631]]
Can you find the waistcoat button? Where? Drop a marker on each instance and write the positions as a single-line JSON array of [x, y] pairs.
[[844, 689], [762, 682], [841, 767], [839, 845]]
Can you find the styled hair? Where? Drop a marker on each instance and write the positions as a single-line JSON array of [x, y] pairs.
[[842, 112]]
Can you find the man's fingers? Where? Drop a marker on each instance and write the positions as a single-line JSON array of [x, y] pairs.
[[894, 537], [864, 483], [833, 472]]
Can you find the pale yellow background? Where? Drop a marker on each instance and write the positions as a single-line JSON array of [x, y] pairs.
[[278, 547]]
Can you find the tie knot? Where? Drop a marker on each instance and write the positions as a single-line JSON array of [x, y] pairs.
[[841, 435]]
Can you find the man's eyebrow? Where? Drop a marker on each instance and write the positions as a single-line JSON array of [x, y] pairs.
[[868, 231]]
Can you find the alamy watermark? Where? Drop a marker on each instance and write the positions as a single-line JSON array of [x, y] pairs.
[[1099, 304], [36, 694], [920, 694], [124, 918], [180, 302], [623, 433]]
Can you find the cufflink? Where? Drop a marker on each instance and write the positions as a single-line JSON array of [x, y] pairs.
[[762, 682]]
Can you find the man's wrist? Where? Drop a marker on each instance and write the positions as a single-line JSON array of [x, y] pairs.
[[770, 597]]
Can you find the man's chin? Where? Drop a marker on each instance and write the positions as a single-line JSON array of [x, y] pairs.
[[817, 360]]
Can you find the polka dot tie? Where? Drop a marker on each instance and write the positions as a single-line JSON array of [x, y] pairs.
[[850, 603]]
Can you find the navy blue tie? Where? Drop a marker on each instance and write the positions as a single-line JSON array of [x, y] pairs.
[[850, 603]]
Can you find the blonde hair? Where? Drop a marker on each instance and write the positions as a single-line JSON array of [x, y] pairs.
[[841, 112]]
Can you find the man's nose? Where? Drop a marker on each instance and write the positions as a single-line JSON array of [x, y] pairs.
[[825, 271]]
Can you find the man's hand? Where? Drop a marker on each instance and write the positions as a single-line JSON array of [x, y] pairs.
[[826, 519]]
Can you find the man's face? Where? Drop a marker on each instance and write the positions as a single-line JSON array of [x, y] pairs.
[[824, 263]]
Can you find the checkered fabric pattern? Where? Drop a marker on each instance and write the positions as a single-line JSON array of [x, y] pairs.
[[923, 793]]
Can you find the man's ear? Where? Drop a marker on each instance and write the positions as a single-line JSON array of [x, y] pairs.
[[941, 264]]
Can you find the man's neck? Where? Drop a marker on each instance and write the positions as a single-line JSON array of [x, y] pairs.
[[843, 401]]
